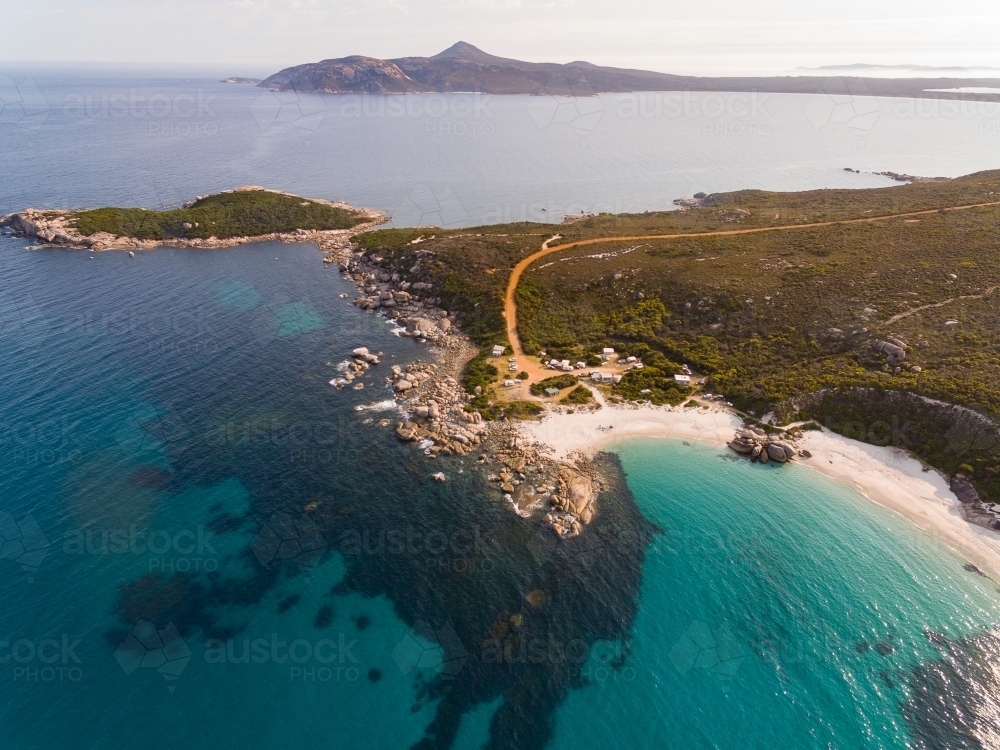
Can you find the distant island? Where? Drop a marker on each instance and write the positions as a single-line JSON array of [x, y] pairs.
[[465, 68]]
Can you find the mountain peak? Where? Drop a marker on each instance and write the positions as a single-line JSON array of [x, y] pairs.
[[465, 51]]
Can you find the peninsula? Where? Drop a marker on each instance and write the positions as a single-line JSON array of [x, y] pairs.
[[809, 324], [237, 217], [466, 68], [786, 318]]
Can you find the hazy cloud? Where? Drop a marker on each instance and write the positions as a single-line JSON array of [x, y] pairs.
[[725, 37]]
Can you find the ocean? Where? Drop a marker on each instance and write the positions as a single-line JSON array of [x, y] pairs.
[[87, 137], [205, 545]]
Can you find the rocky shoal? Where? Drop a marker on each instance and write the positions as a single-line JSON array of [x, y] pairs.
[[437, 420], [757, 445]]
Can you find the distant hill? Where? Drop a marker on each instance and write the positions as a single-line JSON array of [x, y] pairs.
[[463, 67]]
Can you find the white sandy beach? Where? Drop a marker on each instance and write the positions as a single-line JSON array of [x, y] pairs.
[[887, 476]]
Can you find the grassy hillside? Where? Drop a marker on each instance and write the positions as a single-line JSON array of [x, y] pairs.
[[240, 214], [468, 269], [783, 209], [774, 315], [779, 321]]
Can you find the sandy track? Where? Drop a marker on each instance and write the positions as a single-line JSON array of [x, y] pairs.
[[535, 370]]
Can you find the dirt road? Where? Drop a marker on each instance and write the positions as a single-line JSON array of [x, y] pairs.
[[536, 371]]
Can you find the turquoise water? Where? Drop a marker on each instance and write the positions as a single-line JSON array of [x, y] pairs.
[[753, 605], [200, 535], [166, 418], [145, 364]]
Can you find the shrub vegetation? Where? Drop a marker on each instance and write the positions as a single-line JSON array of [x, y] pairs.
[[779, 321], [247, 213]]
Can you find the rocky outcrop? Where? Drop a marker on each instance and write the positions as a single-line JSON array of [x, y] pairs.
[[52, 227], [755, 443], [971, 507], [363, 359], [354, 74], [699, 200], [411, 304], [573, 502], [893, 349], [436, 416]]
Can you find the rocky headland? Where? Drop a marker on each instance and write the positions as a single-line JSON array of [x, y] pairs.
[[436, 417], [58, 228]]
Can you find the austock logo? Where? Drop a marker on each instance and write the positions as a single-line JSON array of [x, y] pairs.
[[283, 537], [45, 661], [281, 317], [426, 647], [335, 659], [544, 546], [570, 102], [22, 104], [276, 108], [424, 207], [19, 313], [973, 434], [844, 101], [23, 542], [717, 651], [148, 648], [147, 428]]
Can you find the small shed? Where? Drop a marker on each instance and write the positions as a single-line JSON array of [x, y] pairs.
[[683, 379], [551, 392], [498, 350], [607, 351]]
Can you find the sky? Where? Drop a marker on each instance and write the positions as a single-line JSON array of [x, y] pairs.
[[730, 37]]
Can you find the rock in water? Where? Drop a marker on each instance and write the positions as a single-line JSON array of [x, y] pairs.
[[741, 447]]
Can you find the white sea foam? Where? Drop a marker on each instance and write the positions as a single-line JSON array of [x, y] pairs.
[[386, 405]]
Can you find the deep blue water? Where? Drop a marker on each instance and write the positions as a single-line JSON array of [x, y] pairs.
[[81, 138], [206, 545], [159, 411], [222, 549]]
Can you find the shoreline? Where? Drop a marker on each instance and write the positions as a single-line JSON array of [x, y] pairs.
[[55, 230], [886, 476]]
